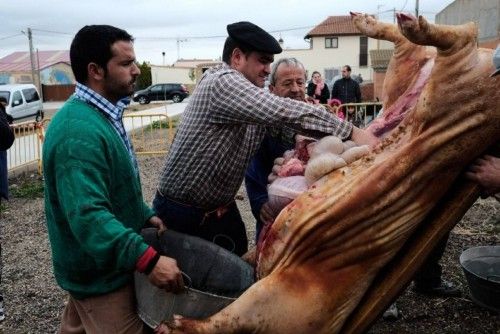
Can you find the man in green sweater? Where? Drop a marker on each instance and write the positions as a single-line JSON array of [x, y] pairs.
[[93, 198]]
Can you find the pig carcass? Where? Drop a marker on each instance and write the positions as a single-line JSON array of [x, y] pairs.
[[326, 251]]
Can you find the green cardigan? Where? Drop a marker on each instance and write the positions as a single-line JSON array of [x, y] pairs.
[[93, 202]]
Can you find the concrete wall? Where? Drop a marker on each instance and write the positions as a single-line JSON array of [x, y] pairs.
[[485, 13], [321, 59], [165, 74]]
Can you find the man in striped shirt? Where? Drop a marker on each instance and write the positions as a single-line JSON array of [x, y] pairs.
[[222, 127]]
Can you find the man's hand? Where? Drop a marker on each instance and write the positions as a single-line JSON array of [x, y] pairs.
[[486, 172], [266, 214], [166, 275], [158, 223], [363, 137]]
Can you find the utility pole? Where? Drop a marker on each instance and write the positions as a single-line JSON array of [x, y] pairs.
[[416, 8], [163, 54], [32, 58], [178, 46], [38, 74]]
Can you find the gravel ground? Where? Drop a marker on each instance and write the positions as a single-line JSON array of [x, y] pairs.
[[33, 301]]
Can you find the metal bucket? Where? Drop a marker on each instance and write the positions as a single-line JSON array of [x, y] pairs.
[[481, 266], [214, 278]]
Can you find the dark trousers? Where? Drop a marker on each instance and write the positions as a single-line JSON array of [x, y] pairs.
[[227, 231], [429, 274]]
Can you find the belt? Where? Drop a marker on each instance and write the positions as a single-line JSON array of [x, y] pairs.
[[218, 212]]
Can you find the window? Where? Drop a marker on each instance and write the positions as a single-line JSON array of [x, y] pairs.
[[30, 95], [17, 98], [157, 88], [331, 42], [5, 95], [363, 51]]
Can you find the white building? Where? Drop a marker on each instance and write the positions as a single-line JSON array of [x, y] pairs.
[[336, 42]]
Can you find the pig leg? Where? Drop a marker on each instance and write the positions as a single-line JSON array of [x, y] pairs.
[[448, 39], [459, 87], [284, 302], [406, 63]]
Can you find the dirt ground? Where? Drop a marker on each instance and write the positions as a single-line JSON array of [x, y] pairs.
[[34, 302]]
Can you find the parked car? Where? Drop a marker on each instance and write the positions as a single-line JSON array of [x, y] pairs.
[[23, 101], [161, 92]]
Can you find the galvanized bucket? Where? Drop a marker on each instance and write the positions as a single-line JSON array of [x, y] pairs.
[[481, 266], [214, 278]]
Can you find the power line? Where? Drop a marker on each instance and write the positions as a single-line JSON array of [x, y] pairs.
[[6, 37], [52, 32]]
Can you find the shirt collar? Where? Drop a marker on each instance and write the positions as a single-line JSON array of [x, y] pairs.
[[92, 97]]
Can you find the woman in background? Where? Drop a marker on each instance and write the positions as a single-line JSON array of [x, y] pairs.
[[317, 89]]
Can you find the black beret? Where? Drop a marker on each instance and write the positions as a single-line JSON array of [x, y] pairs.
[[254, 37]]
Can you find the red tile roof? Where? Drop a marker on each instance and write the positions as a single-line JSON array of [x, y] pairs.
[[20, 61], [335, 25]]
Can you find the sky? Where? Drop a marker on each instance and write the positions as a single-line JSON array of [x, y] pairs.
[[188, 29]]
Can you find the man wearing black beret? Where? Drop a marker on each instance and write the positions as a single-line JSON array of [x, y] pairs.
[[221, 129]]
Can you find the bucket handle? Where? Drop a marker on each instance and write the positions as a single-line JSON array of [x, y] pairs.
[[220, 235], [188, 282]]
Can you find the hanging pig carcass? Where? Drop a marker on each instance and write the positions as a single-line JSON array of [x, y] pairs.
[[329, 250]]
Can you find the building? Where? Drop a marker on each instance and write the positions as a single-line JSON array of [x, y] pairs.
[[485, 13], [54, 68], [53, 75], [184, 71], [333, 43]]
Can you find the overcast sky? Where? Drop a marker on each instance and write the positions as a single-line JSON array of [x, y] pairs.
[[184, 28]]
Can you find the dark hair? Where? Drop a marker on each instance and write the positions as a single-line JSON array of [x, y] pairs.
[[315, 72], [230, 45], [3, 99], [348, 67], [92, 44]]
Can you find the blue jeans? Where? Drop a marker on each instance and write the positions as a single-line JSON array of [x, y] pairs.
[[227, 231]]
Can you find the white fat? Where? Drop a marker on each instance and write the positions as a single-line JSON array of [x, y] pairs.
[[355, 153], [276, 169], [321, 165], [348, 144], [279, 161], [328, 144]]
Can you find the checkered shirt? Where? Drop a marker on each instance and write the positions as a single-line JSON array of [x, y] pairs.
[[114, 113], [222, 127]]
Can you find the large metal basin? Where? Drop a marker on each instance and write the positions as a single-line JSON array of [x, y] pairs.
[[215, 277], [481, 266]]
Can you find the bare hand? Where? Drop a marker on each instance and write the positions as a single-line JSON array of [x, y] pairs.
[[486, 172], [266, 214], [158, 223], [166, 275], [363, 137]]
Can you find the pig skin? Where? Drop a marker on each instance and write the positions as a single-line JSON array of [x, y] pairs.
[[326, 247]]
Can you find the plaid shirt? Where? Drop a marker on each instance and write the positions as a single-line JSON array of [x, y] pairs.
[[114, 113], [222, 127]]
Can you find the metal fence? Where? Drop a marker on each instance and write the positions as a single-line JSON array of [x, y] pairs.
[[360, 114], [151, 134], [27, 148]]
